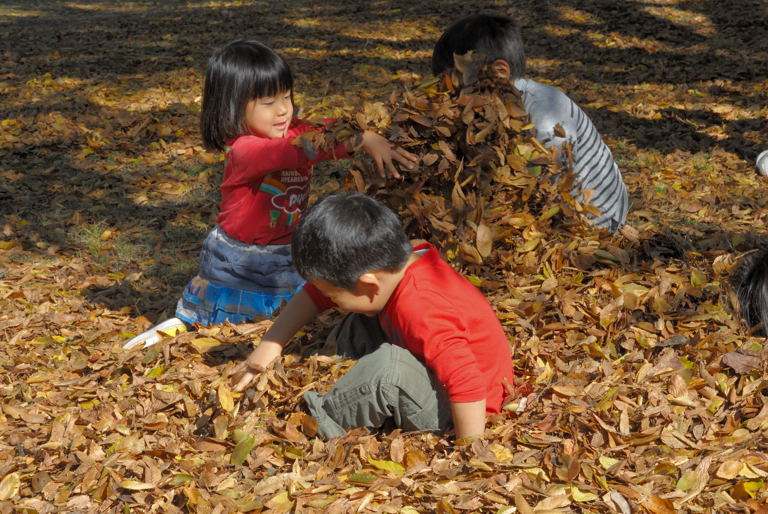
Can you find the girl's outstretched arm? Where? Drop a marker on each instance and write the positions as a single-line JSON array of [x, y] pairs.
[[383, 153], [299, 311]]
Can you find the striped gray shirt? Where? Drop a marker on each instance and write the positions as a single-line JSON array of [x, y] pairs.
[[593, 162]]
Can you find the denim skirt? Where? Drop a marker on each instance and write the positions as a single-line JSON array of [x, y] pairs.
[[237, 281]]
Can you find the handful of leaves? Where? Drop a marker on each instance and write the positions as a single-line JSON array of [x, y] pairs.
[[483, 175]]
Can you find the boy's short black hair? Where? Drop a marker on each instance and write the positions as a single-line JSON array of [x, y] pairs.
[[237, 73], [493, 35], [345, 235], [752, 291]]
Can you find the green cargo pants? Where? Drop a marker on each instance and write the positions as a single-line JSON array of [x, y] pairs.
[[388, 383]]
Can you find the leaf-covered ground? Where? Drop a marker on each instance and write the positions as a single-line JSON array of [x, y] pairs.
[[638, 390]]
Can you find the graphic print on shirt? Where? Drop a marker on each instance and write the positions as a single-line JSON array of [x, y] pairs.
[[287, 200]]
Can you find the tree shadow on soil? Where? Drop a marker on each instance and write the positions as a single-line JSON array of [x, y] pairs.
[[139, 47]]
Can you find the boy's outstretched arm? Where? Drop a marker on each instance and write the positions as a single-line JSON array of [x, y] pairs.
[[468, 419], [299, 311]]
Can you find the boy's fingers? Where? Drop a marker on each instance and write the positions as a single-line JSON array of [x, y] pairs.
[[245, 381], [237, 369]]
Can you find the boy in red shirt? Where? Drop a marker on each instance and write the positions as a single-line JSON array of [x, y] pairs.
[[431, 350]]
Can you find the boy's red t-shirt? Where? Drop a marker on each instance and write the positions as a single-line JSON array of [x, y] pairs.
[[443, 319], [266, 186]]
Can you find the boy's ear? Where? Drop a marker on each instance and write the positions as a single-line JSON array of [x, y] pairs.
[[368, 284], [501, 67]]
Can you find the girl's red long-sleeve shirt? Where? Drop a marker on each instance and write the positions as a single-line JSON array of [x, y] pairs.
[[440, 317], [266, 186]]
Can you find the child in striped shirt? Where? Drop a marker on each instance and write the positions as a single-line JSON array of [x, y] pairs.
[[498, 38]]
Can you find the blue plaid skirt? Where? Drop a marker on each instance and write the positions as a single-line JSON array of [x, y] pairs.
[[237, 281]]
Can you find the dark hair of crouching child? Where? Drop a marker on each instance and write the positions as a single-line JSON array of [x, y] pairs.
[[752, 291], [493, 35], [344, 236]]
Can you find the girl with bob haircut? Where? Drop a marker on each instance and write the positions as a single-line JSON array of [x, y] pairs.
[[245, 262]]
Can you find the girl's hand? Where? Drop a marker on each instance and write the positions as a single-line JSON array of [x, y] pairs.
[[383, 153], [246, 373]]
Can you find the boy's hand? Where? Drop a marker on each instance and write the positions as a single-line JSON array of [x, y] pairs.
[[243, 376], [383, 153], [299, 311], [249, 370]]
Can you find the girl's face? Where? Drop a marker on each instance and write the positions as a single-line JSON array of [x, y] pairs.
[[269, 116]]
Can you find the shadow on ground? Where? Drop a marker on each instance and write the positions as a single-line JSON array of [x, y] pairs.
[[101, 100]]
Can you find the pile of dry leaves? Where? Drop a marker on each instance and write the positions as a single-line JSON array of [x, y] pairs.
[[483, 176], [638, 390]]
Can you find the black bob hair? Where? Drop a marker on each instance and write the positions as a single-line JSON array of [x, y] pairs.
[[493, 35], [345, 235], [236, 74], [752, 290]]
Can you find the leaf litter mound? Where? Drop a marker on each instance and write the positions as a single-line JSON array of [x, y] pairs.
[[637, 388]]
